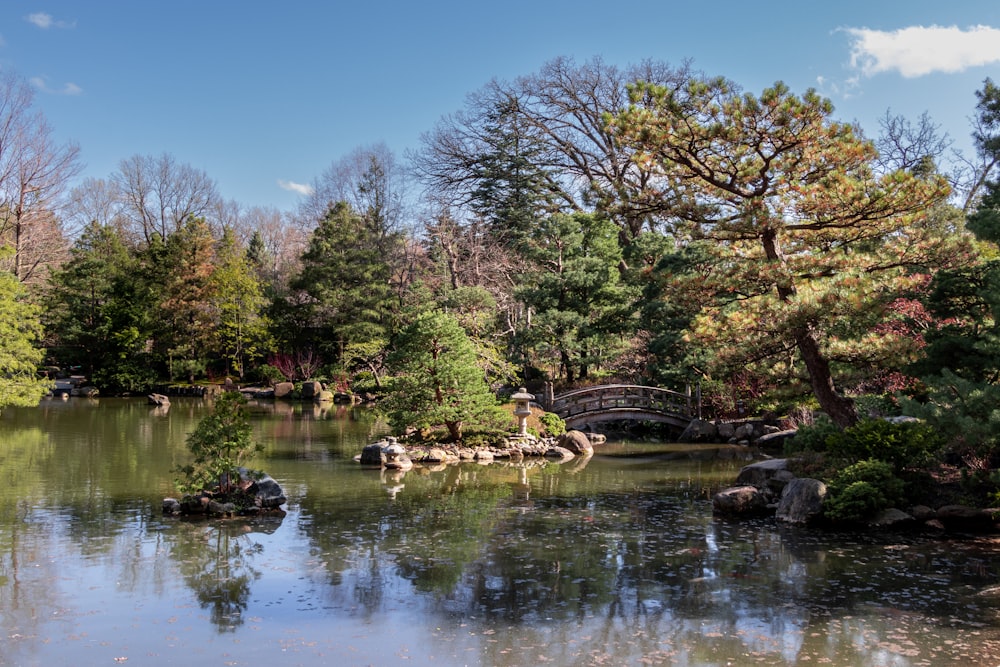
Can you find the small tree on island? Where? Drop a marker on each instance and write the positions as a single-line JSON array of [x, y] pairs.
[[221, 443], [437, 380]]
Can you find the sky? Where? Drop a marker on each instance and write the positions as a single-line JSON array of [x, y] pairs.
[[265, 96]]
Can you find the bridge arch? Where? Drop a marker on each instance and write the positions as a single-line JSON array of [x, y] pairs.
[[623, 402]]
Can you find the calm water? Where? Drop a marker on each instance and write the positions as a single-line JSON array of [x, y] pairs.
[[613, 561]]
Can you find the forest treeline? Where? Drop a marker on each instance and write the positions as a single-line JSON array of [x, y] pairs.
[[584, 223]]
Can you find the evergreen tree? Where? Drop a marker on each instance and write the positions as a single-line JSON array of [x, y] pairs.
[[98, 309], [345, 295], [20, 330], [184, 268], [511, 190], [811, 245], [437, 380], [579, 305]]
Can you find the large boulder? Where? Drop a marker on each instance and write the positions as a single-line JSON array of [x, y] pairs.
[[311, 389], [559, 453], [801, 501], [760, 473], [267, 493], [576, 442], [372, 454], [283, 389], [739, 501], [892, 519]]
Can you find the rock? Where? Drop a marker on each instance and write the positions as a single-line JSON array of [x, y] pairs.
[[560, 453], [85, 392], [221, 509], [923, 513], [934, 525], [960, 517], [801, 501], [779, 481], [699, 430], [739, 501], [597, 438], [892, 519], [283, 389], [776, 438], [744, 431], [436, 455], [372, 455], [576, 442], [194, 504], [171, 506], [323, 396], [267, 493], [726, 431], [483, 456], [758, 474], [311, 389]]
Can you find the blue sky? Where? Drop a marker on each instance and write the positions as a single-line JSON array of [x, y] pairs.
[[265, 95]]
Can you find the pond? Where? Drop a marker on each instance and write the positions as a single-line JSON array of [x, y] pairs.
[[617, 560]]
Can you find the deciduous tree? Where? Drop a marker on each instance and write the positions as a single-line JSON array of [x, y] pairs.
[[34, 174], [236, 296]]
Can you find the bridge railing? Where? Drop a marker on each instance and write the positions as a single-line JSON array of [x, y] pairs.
[[623, 396]]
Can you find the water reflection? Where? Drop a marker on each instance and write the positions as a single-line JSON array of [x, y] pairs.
[[217, 561], [612, 560]]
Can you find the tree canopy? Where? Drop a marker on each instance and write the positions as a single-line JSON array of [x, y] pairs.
[[811, 245]]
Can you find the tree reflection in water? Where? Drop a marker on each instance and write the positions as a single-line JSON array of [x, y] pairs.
[[216, 559]]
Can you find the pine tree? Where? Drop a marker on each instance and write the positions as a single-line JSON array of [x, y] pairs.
[[437, 379], [345, 284], [811, 245]]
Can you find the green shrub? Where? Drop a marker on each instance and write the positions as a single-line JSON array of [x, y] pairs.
[[812, 438], [861, 490], [903, 445], [552, 423], [269, 374]]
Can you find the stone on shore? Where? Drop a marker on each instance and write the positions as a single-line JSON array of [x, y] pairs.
[[739, 501], [576, 442], [801, 501]]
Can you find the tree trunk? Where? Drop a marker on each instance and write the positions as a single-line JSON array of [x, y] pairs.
[[839, 408]]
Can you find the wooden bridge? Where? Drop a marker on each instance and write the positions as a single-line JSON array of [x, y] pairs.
[[624, 402]]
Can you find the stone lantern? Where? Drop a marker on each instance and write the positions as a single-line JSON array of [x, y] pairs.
[[522, 408]]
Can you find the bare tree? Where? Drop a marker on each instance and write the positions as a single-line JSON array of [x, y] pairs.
[[564, 107], [94, 200], [368, 178], [34, 175], [158, 195], [283, 241], [910, 146]]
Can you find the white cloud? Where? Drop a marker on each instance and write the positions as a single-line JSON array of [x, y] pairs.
[[918, 50], [45, 21], [295, 187], [43, 86], [40, 19]]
